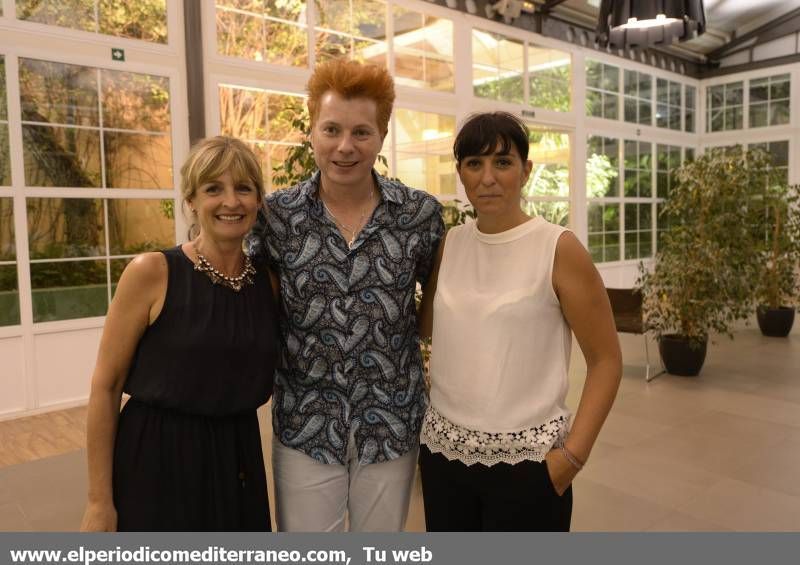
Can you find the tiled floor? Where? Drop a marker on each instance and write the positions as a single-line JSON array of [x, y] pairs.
[[718, 452]]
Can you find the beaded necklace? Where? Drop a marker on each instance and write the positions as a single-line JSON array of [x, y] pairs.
[[245, 278]]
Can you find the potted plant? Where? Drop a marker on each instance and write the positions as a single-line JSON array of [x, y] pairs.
[[701, 279], [777, 284]]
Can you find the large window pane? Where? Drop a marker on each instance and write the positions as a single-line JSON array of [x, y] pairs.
[[638, 169], [724, 109], [58, 93], [142, 19], [69, 155], [549, 75], [497, 67], [65, 227], [424, 150], [547, 190], [61, 156], [423, 50], [135, 101], [604, 232], [135, 226], [602, 167], [602, 88], [549, 151], [274, 32], [66, 290], [638, 97], [769, 101], [138, 160], [355, 29], [264, 120], [668, 107]]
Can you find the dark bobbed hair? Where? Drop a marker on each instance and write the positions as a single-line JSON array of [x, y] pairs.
[[489, 132]]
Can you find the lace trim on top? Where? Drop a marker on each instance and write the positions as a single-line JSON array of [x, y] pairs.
[[455, 442]]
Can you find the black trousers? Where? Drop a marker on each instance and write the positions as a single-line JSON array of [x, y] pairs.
[[500, 498]]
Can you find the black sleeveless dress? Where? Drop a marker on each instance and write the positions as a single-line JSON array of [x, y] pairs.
[[188, 454]]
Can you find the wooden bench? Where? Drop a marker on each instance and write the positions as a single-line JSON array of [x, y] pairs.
[[626, 304]]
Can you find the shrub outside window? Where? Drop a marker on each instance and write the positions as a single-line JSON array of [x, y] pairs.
[[142, 19]]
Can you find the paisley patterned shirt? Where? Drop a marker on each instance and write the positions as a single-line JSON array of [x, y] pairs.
[[352, 364]]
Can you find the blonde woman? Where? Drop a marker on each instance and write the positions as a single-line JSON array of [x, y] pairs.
[[191, 337]]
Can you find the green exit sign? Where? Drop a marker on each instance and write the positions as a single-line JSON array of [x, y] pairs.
[[117, 54]]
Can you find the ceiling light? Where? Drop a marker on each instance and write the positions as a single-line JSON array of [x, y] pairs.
[[644, 23]]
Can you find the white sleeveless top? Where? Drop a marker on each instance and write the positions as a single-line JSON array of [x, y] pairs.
[[501, 347]]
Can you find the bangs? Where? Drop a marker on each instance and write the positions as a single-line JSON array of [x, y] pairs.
[[490, 133], [483, 143], [242, 170]]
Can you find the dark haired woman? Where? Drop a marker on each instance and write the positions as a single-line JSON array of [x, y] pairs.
[[498, 452]]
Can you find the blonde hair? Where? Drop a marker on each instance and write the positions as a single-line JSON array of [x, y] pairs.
[[351, 79], [214, 156]]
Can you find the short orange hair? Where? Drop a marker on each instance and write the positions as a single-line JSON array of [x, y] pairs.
[[351, 79]]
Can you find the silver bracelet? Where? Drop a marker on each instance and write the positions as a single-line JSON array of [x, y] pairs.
[[571, 458]]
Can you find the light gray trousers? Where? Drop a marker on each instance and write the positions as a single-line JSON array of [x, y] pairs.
[[316, 497]]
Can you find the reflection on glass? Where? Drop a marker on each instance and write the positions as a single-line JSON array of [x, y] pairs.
[[69, 289], [638, 97], [769, 101], [65, 227], [549, 75], [355, 29], [58, 93], [60, 156], [8, 251], [136, 226], [549, 151], [135, 101], [602, 86], [5, 156], [273, 32], [265, 120], [240, 35], [143, 19], [423, 49], [724, 107], [424, 150], [75, 14], [138, 160], [497, 67], [9, 296]]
